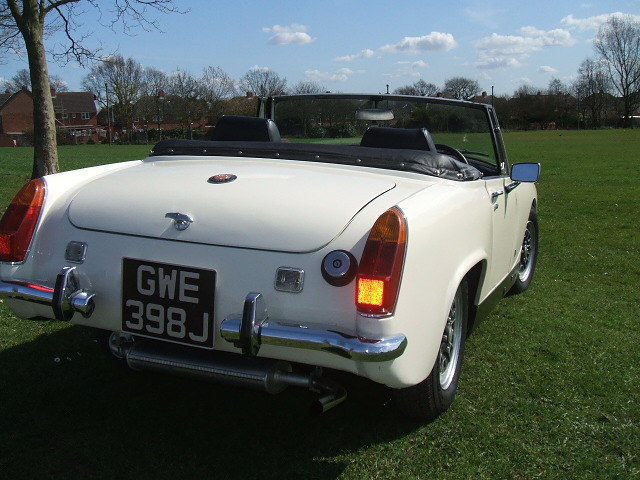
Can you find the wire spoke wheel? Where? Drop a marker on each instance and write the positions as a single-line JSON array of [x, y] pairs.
[[528, 252], [450, 345], [528, 256], [433, 396]]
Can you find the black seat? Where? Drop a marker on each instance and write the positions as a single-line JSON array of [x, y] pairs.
[[234, 128], [403, 138]]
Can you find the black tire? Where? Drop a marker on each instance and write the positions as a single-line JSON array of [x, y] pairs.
[[427, 400], [528, 255]]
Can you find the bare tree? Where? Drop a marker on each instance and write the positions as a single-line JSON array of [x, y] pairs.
[[118, 82], [308, 86], [418, 88], [25, 25], [461, 87], [217, 86], [23, 79], [618, 44], [263, 82], [591, 88], [187, 99], [150, 107]]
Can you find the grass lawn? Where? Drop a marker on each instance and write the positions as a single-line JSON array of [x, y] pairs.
[[550, 386]]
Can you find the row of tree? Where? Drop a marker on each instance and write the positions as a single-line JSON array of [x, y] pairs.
[[25, 27]]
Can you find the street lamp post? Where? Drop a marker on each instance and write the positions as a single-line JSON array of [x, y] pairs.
[[159, 100], [106, 93]]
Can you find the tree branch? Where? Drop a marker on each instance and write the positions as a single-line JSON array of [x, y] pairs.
[[56, 5], [75, 47]]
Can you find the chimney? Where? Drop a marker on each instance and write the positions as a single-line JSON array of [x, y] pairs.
[[53, 92], [484, 94], [24, 88]]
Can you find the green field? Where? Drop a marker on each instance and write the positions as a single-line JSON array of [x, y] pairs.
[[550, 386]]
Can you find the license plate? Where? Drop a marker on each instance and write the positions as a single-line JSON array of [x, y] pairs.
[[168, 302]]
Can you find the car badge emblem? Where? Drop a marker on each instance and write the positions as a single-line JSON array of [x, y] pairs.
[[180, 220], [222, 178]]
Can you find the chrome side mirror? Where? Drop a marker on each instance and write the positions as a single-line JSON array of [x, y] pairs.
[[525, 172]]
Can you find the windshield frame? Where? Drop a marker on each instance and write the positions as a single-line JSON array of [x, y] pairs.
[[268, 106]]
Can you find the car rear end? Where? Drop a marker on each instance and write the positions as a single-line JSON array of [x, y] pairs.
[[285, 262]]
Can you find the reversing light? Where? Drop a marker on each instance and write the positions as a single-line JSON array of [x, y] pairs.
[[381, 265], [19, 221]]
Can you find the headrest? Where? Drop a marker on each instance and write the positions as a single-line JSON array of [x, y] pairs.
[[233, 128], [404, 138]]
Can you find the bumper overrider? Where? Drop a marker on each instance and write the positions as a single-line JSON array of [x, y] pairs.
[[254, 328], [247, 331], [66, 298]]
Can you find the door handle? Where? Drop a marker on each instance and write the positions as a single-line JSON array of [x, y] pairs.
[[497, 193]]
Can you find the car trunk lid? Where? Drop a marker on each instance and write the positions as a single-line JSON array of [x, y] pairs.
[[271, 205]]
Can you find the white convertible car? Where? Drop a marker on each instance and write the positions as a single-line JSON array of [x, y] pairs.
[[363, 233]]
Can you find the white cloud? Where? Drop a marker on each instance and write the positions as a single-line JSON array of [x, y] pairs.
[[494, 63], [525, 80], [366, 53], [294, 27], [416, 64], [507, 51], [593, 23], [259, 68], [288, 35], [407, 69], [318, 76], [286, 38], [434, 42], [547, 69]]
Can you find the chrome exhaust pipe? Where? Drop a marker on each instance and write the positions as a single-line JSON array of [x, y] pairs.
[[256, 373], [271, 376]]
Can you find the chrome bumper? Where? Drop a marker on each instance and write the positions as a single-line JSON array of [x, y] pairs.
[[253, 329], [65, 299]]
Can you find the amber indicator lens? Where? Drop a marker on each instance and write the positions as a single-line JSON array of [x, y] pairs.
[[381, 265]]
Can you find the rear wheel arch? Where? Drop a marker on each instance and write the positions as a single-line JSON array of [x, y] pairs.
[[475, 278]]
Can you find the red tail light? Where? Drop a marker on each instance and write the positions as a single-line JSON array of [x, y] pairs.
[[381, 265], [19, 221]]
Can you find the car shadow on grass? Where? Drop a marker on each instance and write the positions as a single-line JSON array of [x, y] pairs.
[[66, 412]]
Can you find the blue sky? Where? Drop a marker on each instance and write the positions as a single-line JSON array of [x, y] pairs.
[[361, 46]]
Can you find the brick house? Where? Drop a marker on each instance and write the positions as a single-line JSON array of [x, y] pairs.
[[16, 116], [75, 112]]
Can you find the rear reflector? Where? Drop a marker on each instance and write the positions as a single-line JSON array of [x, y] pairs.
[[381, 265], [19, 221]]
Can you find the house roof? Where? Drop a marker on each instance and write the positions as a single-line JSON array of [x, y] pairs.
[[3, 98], [74, 102]]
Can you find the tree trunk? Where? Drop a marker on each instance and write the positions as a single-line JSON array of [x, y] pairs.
[[45, 155]]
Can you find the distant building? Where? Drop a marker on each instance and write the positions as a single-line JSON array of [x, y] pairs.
[[16, 116], [75, 112]]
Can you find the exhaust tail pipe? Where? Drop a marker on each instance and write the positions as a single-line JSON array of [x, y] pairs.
[[264, 374]]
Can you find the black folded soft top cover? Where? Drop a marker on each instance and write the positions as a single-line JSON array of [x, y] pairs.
[[418, 161]]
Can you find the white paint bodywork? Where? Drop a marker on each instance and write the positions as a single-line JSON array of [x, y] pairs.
[[281, 213]]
